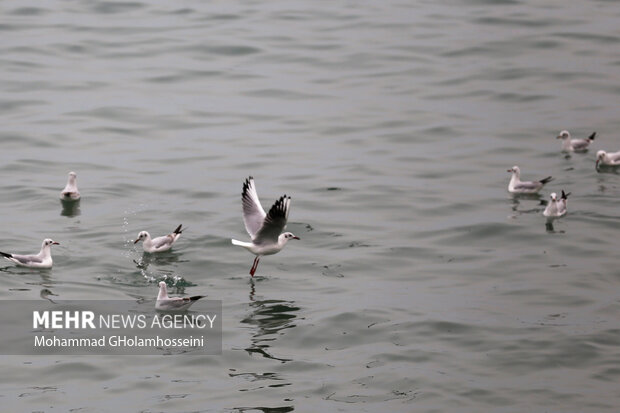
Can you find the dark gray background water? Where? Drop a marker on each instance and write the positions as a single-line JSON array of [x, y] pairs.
[[419, 284]]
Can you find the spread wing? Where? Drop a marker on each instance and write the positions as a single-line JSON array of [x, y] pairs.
[[253, 212], [275, 222]]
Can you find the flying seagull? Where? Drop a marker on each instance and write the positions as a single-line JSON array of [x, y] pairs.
[[264, 229]]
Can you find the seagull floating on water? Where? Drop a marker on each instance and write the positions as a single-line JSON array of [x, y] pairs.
[[516, 186], [159, 244], [41, 260], [556, 207], [166, 303], [264, 229], [70, 193], [607, 158], [575, 145]]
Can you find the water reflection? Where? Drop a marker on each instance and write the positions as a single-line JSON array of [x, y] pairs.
[[608, 169], [269, 317], [167, 257], [284, 409], [46, 293], [70, 208], [540, 205], [549, 226]]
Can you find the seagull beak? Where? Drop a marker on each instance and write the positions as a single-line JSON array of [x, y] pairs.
[[136, 241], [55, 243], [508, 170], [559, 137], [295, 237]]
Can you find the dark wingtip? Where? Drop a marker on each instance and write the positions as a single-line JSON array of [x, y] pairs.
[[246, 185], [565, 195], [178, 230], [4, 254], [591, 137], [197, 297], [546, 180]]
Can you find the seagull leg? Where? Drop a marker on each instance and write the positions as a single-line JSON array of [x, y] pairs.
[[254, 265]]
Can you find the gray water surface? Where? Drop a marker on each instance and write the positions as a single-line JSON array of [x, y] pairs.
[[419, 283]]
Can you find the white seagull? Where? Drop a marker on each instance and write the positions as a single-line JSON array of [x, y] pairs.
[[70, 193], [516, 186], [556, 207], [607, 158], [159, 244], [575, 145], [264, 229], [166, 303], [41, 260]]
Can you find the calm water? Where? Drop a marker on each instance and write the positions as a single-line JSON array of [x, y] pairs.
[[419, 284]]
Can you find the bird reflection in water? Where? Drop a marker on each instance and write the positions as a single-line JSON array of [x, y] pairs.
[[517, 198], [159, 259], [269, 317], [162, 258], [70, 208], [550, 228], [46, 293], [284, 409]]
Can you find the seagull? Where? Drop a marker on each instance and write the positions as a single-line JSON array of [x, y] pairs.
[[41, 260], [516, 186], [166, 303], [607, 158], [158, 244], [70, 193], [575, 145], [264, 229], [556, 207]]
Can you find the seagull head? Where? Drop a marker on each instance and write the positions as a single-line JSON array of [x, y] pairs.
[[48, 241], [72, 177], [287, 236], [563, 135], [554, 196], [515, 170], [141, 236], [600, 155]]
